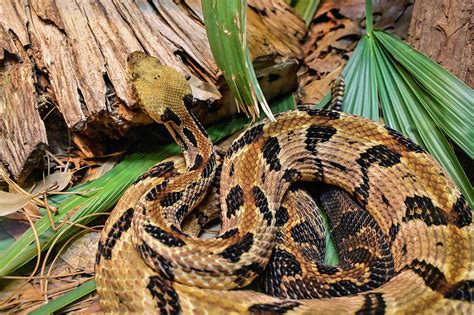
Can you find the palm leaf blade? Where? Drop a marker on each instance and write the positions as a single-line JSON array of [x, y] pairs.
[[361, 86], [403, 104], [226, 32], [383, 71], [451, 101]]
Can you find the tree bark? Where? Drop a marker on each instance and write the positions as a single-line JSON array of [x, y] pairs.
[[443, 30], [63, 67]]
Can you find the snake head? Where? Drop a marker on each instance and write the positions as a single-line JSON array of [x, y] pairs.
[[159, 89]]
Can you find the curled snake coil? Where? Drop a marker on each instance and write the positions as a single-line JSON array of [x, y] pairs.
[[404, 237]]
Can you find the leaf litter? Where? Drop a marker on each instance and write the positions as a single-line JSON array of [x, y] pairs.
[[25, 293], [337, 27]]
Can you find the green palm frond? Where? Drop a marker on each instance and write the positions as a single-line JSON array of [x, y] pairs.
[[451, 101], [415, 96], [226, 31]]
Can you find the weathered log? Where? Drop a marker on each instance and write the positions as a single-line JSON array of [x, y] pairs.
[[63, 65], [22, 132]]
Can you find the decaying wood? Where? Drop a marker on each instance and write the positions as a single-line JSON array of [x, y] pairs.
[[23, 134], [442, 29], [63, 63]]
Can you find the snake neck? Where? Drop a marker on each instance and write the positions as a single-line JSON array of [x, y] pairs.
[[200, 159], [191, 137]]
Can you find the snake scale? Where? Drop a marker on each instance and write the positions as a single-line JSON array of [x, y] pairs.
[[404, 237]]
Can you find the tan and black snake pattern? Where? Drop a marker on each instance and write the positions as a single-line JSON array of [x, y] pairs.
[[405, 239]]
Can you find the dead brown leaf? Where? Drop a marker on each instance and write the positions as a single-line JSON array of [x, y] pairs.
[[56, 181], [328, 63], [317, 89], [16, 293], [12, 202], [30, 208], [203, 90], [387, 14], [96, 172], [79, 255]]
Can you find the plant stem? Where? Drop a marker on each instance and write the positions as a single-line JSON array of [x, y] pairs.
[[369, 22]]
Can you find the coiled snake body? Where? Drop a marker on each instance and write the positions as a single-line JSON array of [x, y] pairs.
[[405, 245]]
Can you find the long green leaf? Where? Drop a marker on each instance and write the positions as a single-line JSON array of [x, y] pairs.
[[108, 189], [66, 299], [451, 103], [361, 86], [226, 31]]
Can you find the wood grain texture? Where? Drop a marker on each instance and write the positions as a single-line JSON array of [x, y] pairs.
[[22, 132], [68, 57], [443, 30]]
